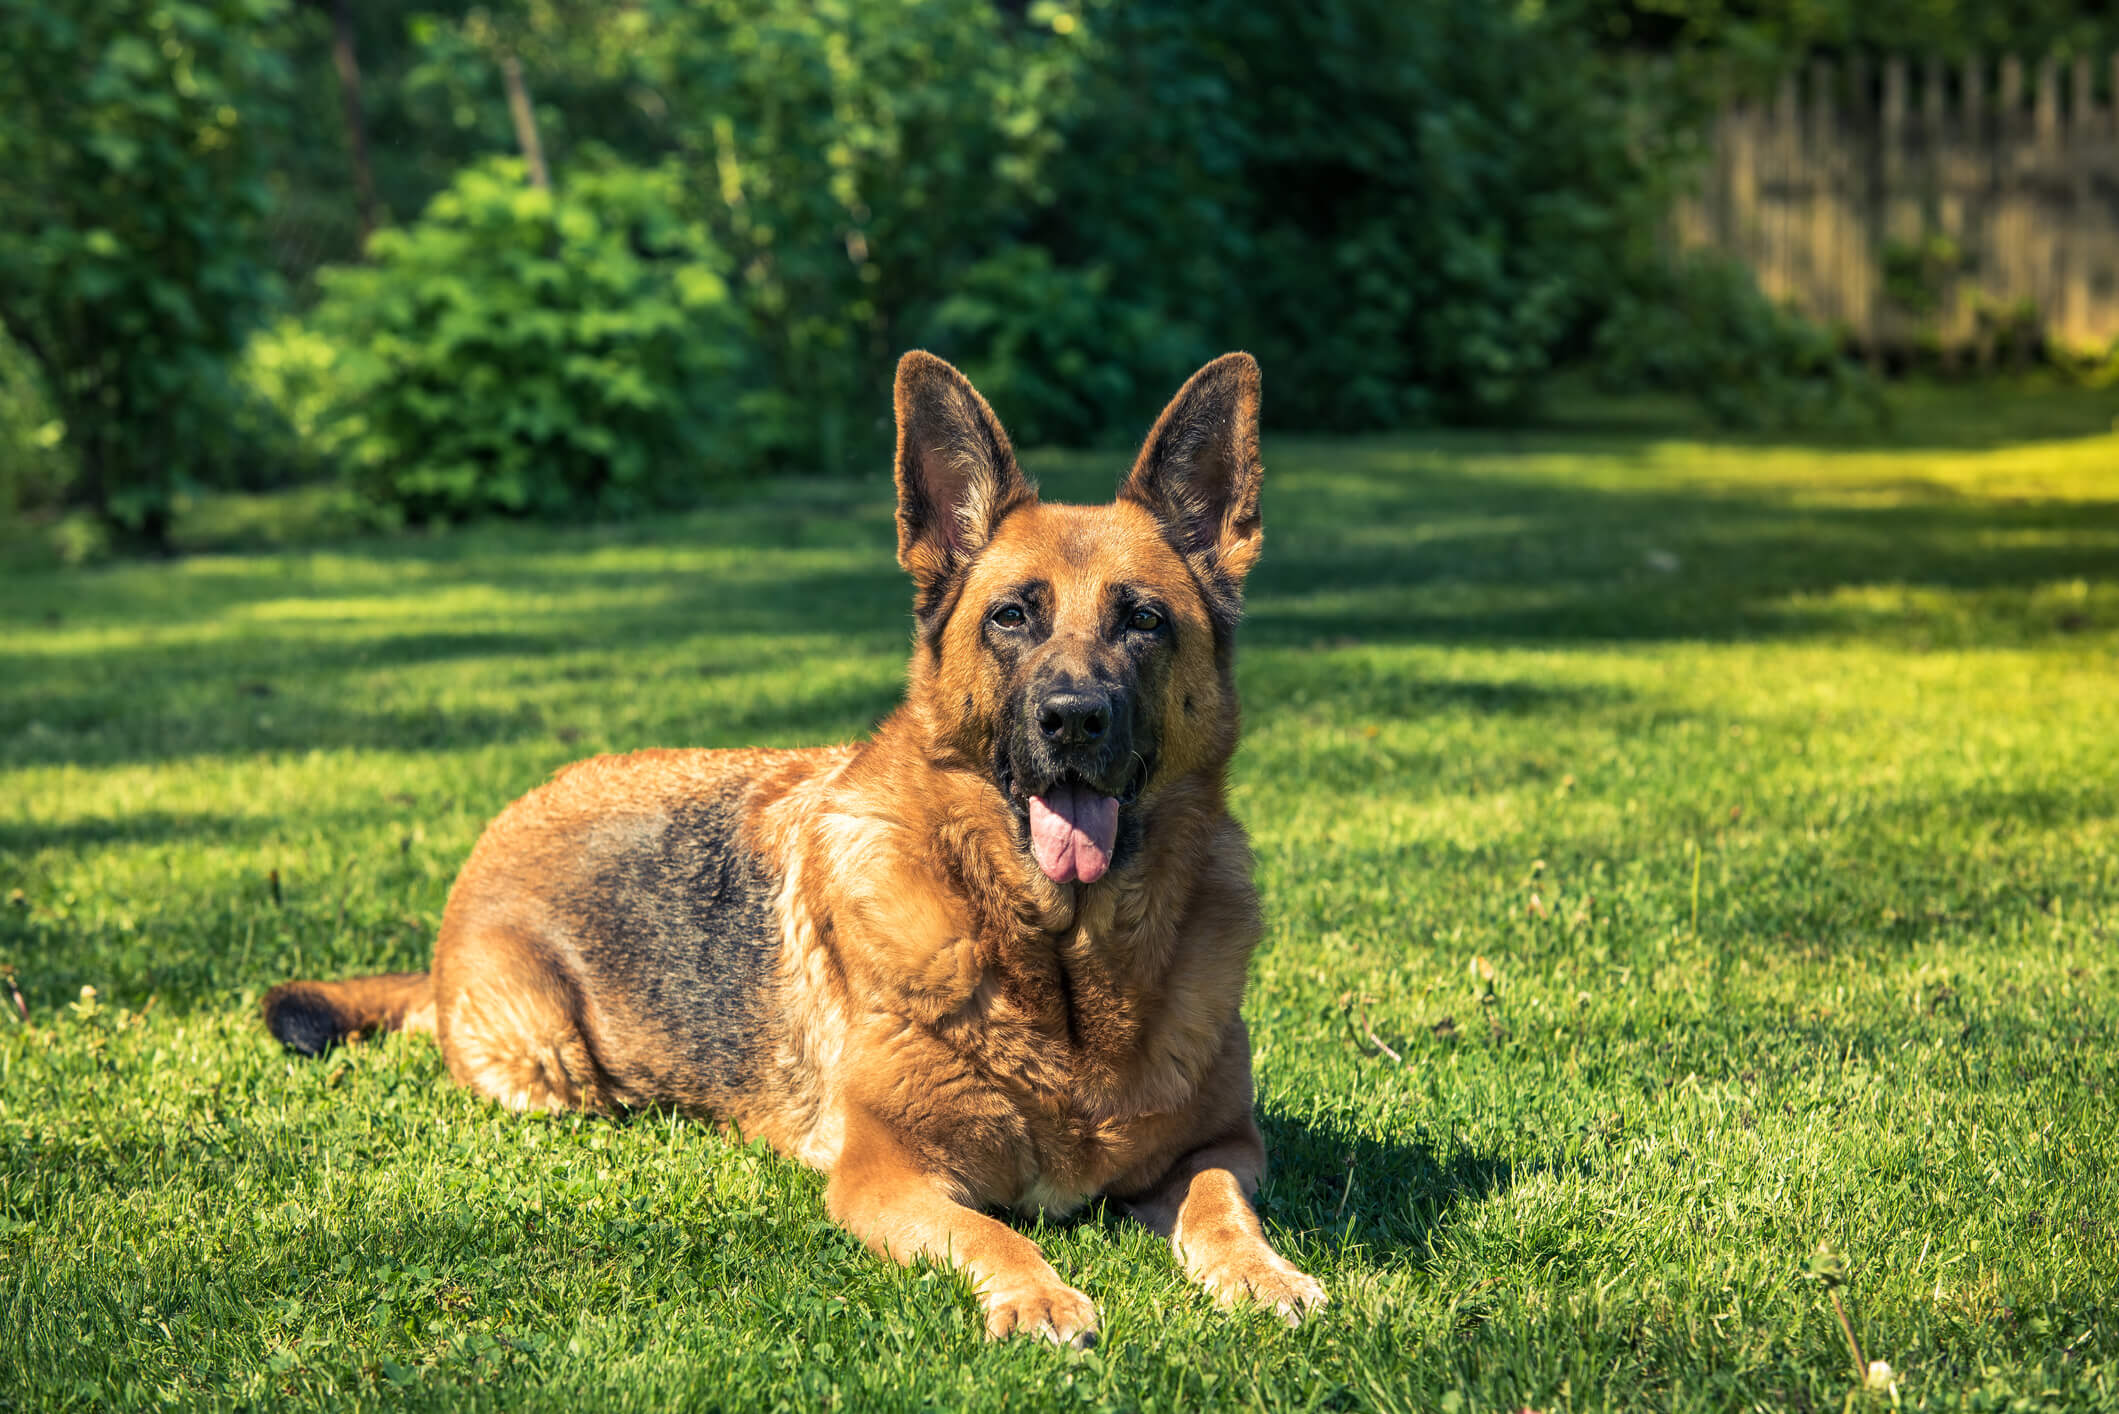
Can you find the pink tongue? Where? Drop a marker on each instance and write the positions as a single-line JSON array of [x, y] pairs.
[[1071, 831]]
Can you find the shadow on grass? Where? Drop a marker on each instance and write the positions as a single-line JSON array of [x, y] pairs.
[[319, 721], [139, 827], [1379, 542], [1387, 1196], [1434, 555], [1987, 412], [310, 685], [1295, 685]]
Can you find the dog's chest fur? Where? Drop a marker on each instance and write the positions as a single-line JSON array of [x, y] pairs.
[[1078, 1048], [1037, 1045]]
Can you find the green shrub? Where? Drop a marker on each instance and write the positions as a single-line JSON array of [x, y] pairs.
[[130, 252], [525, 352], [35, 470], [1069, 358], [2098, 369], [1700, 325]]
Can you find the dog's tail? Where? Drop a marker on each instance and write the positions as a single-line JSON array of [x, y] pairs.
[[312, 1017]]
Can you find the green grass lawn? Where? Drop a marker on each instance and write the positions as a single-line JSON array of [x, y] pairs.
[[1679, 852]]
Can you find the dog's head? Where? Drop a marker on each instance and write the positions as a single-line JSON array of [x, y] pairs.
[[1080, 654]]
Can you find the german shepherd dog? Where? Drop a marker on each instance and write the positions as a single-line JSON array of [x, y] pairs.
[[991, 958]]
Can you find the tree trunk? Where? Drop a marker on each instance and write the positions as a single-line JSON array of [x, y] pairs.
[[347, 58], [525, 122]]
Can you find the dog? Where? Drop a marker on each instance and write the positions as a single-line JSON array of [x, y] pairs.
[[991, 958]]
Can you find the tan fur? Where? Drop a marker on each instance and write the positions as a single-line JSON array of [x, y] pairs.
[[951, 1033]]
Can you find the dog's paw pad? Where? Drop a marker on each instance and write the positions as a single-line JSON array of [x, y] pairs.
[[1060, 1314]]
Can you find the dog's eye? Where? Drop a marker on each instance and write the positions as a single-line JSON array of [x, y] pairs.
[[1144, 621], [1008, 616]]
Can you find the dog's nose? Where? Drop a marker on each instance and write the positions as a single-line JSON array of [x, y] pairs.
[[1073, 718]]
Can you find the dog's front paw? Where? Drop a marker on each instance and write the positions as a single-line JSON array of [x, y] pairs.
[[1266, 1278], [1058, 1313]]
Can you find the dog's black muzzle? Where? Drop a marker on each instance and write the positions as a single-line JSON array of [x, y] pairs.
[[1075, 730]]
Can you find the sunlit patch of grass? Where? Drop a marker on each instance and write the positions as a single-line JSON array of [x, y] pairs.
[[1680, 851]]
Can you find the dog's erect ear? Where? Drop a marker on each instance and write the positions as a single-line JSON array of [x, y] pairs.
[[956, 472], [1199, 473]]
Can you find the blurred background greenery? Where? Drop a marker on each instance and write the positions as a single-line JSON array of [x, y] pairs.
[[562, 258]]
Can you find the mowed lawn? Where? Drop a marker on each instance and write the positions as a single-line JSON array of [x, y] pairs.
[[1680, 852]]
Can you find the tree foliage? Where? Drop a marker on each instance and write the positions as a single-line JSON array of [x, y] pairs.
[[1407, 211], [1768, 33], [130, 269], [856, 157]]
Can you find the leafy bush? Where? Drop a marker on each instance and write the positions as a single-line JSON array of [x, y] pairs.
[[130, 265], [2095, 368], [35, 470], [524, 352], [1700, 325], [1069, 358]]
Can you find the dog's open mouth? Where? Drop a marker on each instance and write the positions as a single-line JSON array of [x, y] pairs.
[[1073, 824]]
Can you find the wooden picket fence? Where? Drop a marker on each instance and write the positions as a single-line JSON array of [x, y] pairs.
[[1961, 210]]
